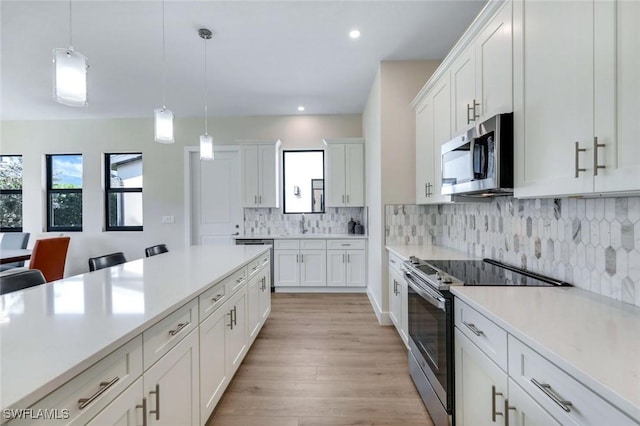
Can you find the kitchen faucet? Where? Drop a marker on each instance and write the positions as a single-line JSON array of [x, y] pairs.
[[302, 228]]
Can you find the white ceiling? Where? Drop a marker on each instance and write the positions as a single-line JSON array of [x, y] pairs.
[[266, 57]]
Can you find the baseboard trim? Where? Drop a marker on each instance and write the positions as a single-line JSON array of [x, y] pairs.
[[383, 317], [320, 289]]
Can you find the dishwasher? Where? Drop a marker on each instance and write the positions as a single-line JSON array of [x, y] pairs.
[[259, 242]]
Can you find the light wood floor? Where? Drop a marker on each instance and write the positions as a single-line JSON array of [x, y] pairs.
[[323, 359]]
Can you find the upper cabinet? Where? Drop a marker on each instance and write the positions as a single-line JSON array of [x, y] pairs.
[[481, 76], [344, 179], [260, 173], [576, 97]]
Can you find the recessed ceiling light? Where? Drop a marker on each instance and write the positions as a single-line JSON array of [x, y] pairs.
[[354, 34], [300, 108]]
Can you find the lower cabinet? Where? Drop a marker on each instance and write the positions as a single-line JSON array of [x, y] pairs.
[[398, 298], [320, 263], [524, 411], [172, 385], [213, 362], [128, 409]]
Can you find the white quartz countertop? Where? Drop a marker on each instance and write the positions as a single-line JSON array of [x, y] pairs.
[[429, 252], [594, 338], [302, 237], [51, 333]]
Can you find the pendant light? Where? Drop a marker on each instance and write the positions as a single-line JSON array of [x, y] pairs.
[[206, 141], [70, 74], [163, 117]]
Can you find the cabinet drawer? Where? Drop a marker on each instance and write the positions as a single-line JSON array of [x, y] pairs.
[[489, 337], [265, 259], [395, 262], [254, 266], [313, 244], [164, 335], [237, 279], [94, 388], [564, 397], [346, 244], [212, 299], [286, 244]]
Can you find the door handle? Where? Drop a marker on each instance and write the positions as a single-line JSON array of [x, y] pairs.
[[596, 145], [157, 394], [84, 402], [493, 403], [578, 150], [144, 411], [302, 258]]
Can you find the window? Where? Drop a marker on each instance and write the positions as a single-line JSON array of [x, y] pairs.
[[11, 193], [64, 192], [303, 181], [123, 192]]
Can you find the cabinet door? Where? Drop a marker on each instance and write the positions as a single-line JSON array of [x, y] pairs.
[[463, 91], [336, 178], [553, 96], [125, 410], [404, 310], [254, 289], [494, 87], [336, 268], [481, 386], [394, 300], [286, 268], [213, 360], [172, 386], [354, 179], [265, 295], [268, 177], [618, 74], [424, 150], [249, 175], [441, 134], [524, 411], [356, 268], [236, 335], [313, 268]]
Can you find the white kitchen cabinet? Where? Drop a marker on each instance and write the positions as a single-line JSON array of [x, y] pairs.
[[481, 386], [260, 174], [398, 298], [172, 385], [524, 410], [576, 97], [345, 172], [286, 268], [300, 263], [214, 375], [313, 268], [258, 301], [128, 409], [346, 265], [433, 128], [265, 296], [481, 77], [236, 338]]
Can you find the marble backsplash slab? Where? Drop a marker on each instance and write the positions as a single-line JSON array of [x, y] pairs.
[[271, 221], [591, 243]]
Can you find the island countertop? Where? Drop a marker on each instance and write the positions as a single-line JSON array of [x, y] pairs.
[[52, 332]]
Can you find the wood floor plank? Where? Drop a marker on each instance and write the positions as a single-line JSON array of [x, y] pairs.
[[322, 359]]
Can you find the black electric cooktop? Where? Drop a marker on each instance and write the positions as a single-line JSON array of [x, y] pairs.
[[485, 272]]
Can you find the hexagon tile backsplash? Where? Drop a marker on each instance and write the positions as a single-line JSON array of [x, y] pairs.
[[592, 243]]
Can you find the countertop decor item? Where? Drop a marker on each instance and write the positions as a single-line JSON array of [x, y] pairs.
[[359, 229], [351, 227]]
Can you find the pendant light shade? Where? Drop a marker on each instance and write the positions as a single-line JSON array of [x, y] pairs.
[[206, 141], [70, 74], [163, 117], [206, 147], [163, 125], [70, 77]]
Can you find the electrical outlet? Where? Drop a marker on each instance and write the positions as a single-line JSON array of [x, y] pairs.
[[168, 219]]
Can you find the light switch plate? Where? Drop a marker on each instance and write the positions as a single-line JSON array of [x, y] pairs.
[[168, 219]]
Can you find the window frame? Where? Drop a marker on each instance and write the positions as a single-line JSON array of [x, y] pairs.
[[15, 192], [108, 190], [50, 190], [324, 179]]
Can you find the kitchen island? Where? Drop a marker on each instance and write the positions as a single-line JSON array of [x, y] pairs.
[[52, 333]]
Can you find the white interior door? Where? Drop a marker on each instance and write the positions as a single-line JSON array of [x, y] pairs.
[[216, 213]]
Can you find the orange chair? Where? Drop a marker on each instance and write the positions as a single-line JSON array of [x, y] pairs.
[[49, 256]]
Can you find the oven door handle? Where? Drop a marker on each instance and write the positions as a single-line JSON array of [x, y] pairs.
[[428, 295]]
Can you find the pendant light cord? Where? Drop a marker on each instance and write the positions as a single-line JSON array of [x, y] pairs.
[[206, 88], [70, 28], [164, 65]]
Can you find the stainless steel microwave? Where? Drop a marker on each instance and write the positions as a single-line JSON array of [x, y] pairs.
[[480, 161]]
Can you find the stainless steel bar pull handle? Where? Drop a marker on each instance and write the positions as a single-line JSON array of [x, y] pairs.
[[506, 412], [548, 390], [494, 413], [255, 199], [475, 113], [343, 258], [144, 411], [578, 150], [84, 402], [178, 329], [347, 198], [157, 394], [297, 258], [469, 109], [596, 145], [473, 328], [218, 297], [302, 258], [235, 315], [230, 325]]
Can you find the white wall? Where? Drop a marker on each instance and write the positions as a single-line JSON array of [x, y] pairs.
[[163, 169], [389, 131]]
